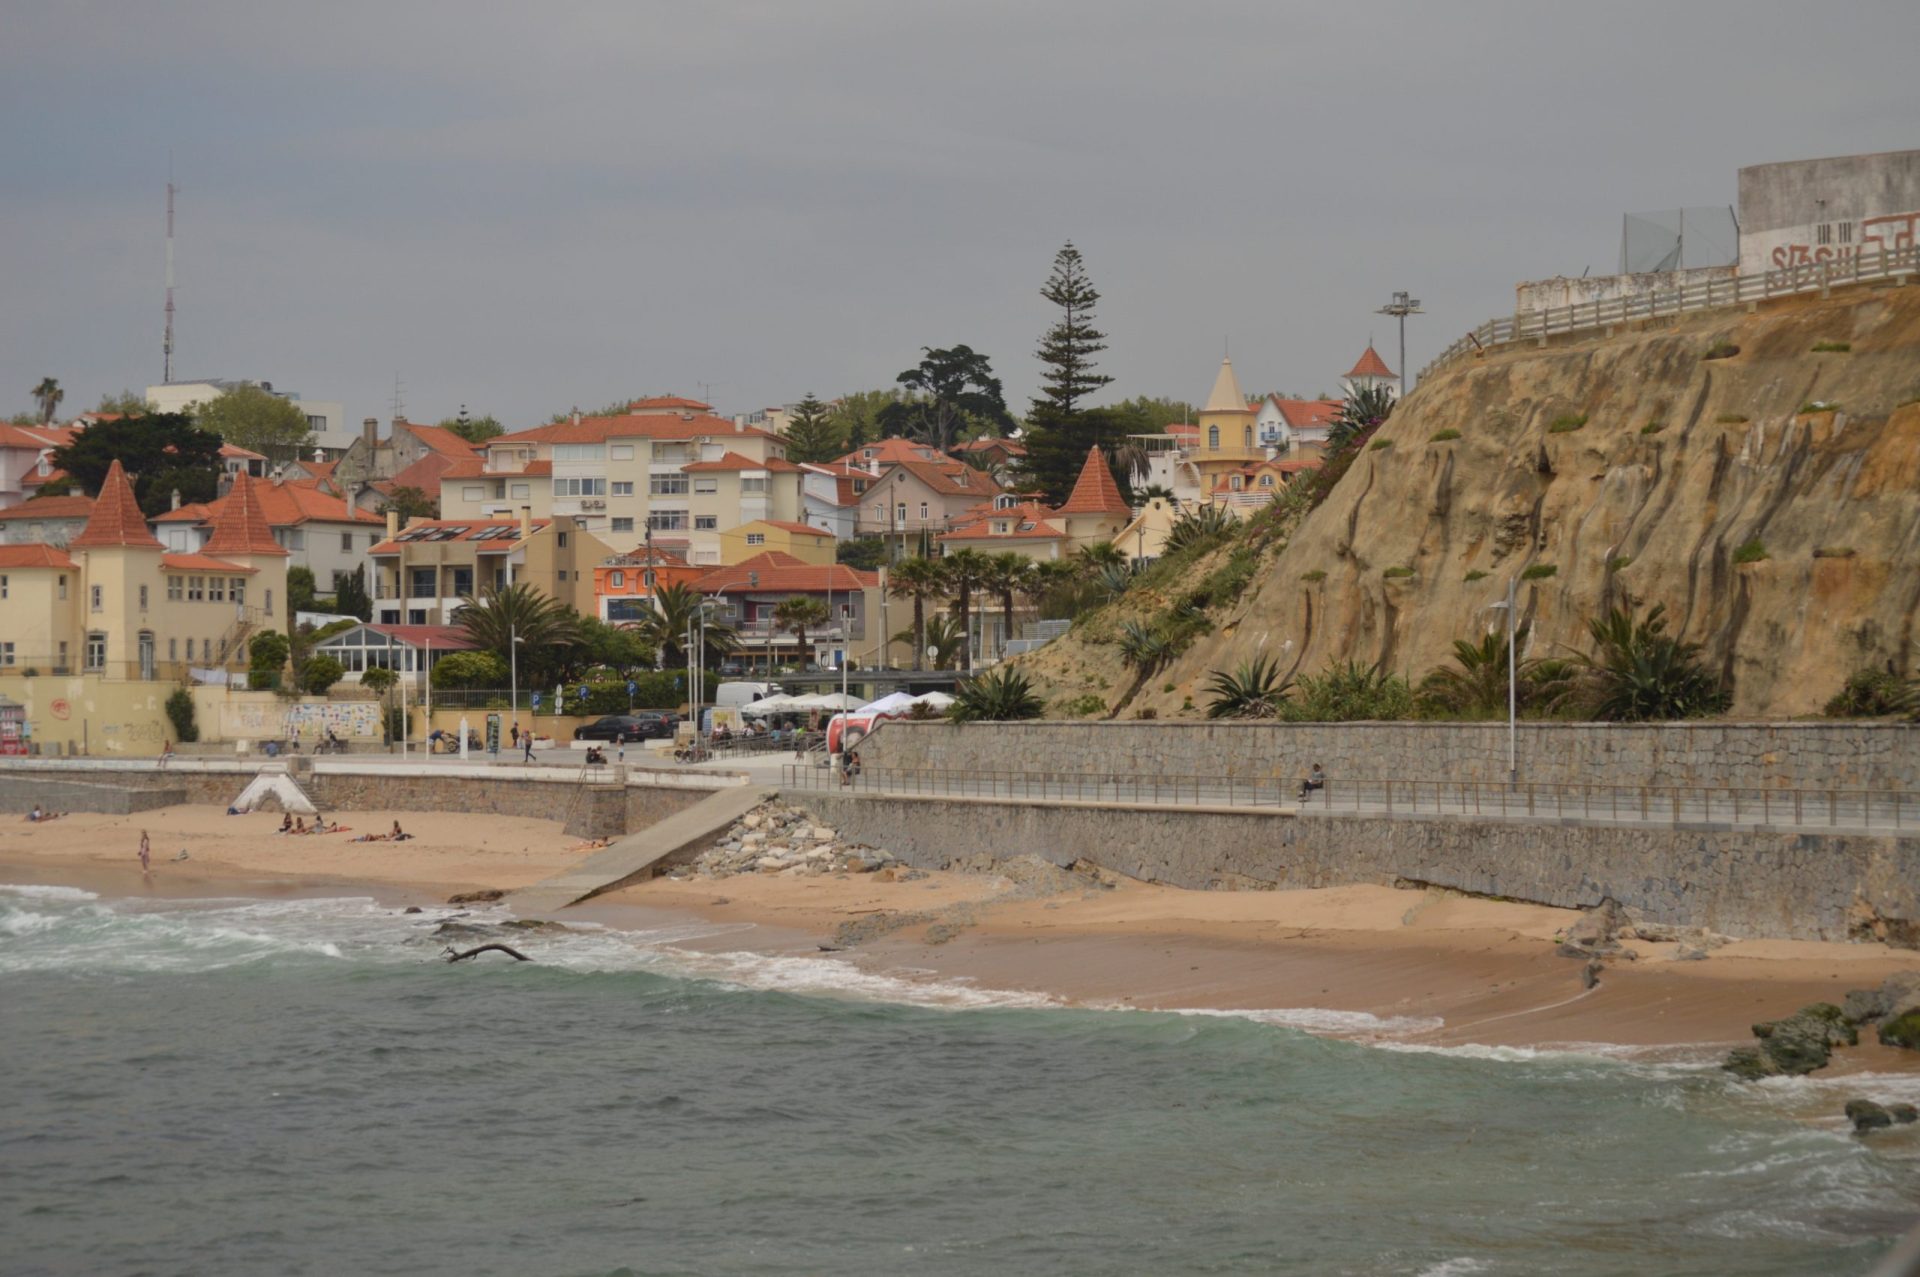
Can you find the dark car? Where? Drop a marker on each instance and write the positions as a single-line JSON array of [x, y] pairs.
[[631, 726]]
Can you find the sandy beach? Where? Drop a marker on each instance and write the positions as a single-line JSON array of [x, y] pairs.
[[1416, 966]]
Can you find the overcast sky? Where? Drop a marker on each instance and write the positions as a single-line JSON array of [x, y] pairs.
[[529, 207]]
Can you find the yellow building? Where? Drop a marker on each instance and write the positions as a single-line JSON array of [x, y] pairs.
[[423, 573], [115, 604], [1228, 437], [807, 544]]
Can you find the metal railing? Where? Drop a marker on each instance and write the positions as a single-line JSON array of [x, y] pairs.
[[1853, 810], [1704, 294]]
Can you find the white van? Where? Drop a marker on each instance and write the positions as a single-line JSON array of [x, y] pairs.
[[734, 695]]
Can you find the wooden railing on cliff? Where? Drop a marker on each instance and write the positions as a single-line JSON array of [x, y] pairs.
[[1708, 294]]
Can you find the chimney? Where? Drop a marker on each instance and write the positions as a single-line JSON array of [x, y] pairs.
[[393, 523], [176, 499], [526, 522], [370, 431], [739, 426], [576, 416]]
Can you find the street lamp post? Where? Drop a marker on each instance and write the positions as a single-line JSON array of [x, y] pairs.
[[1400, 307], [1513, 683]]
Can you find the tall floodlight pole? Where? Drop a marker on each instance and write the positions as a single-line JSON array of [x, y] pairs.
[[166, 345], [1400, 307]]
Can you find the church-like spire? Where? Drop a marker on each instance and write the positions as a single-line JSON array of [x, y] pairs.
[[1226, 396]]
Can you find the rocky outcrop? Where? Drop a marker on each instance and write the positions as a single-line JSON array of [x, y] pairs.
[[1770, 499], [1799, 1044], [775, 838], [1869, 1116]]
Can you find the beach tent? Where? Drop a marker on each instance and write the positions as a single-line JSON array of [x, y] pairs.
[[891, 703], [830, 700], [934, 700], [776, 705]]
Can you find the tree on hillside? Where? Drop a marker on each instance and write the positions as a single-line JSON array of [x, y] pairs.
[[1155, 414], [259, 420], [946, 389], [410, 503], [350, 593], [811, 434], [161, 451], [473, 429], [48, 395], [127, 403], [1057, 446], [1068, 347], [299, 590], [856, 416], [863, 554]]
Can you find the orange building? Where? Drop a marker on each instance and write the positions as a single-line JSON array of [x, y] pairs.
[[623, 585]]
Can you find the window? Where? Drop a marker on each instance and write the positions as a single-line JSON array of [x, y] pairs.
[[521, 491], [174, 588], [859, 486], [1266, 481], [3, 587], [499, 489], [923, 511], [173, 649], [1846, 232], [561, 573], [238, 590], [6, 653], [563, 540], [196, 589], [756, 538], [316, 424], [1003, 526], [753, 483], [96, 651], [707, 485], [143, 598], [706, 523], [618, 580], [1236, 482], [578, 452], [623, 487], [62, 667], [462, 582], [1824, 234], [579, 487], [420, 583], [901, 511], [1213, 437], [216, 589], [346, 545], [667, 520], [63, 587], [269, 607], [623, 525], [667, 485], [621, 452], [291, 538], [473, 492], [1246, 437], [95, 595]]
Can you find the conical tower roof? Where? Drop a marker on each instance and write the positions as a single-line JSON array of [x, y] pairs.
[[116, 517], [1095, 492], [1226, 396], [1371, 365], [241, 525]]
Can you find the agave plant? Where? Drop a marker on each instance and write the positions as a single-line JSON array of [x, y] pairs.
[[1638, 672], [1256, 689], [1362, 410], [1476, 684], [1114, 578], [1000, 695], [1199, 525], [1144, 647]]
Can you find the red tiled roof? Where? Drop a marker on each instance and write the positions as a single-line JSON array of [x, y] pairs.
[[1012, 447], [438, 438], [1307, 412], [668, 426], [202, 563], [954, 479], [1095, 492], [734, 461], [1182, 428], [1371, 365], [36, 437], [889, 451], [50, 508], [476, 468], [231, 450], [775, 572], [1024, 527], [423, 474], [116, 518], [450, 638], [284, 503], [788, 526], [240, 524], [668, 403], [33, 556]]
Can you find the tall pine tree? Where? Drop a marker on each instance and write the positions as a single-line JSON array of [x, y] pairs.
[[1060, 428], [811, 435]]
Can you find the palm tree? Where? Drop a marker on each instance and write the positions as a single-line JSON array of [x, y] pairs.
[[1101, 554], [49, 394], [1362, 410], [1254, 690], [675, 608], [919, 579], [998, 696], [941, 637], [1475, 685], [967, 570], [543, 626], [798, 613], [1010, 573]]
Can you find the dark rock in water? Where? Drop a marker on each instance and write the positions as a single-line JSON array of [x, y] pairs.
[[1902, 1030], [1866, 1115], [411, 909], [539, 925], [476, 897], [1799, 1044], [1903, 1113], [465, 930]]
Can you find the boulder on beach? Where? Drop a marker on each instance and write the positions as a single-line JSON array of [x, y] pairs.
[[1866, 1115], [1797, 1045]]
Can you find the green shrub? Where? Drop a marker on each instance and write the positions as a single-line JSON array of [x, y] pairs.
[[1539, 572], [179, 709], [267, 654], [1833, 552], [1567, 424], [470, 669], [1653, 427], [1832, 347], [1443, 436], [1396, 573], [1818, 405], [1166, 689], [1750, 552], [1314, 577], [379, 681], [396, 723], [1349, 692], [1721, 350], [1476, 575], [1730, 419], [1081, 706], [319, 674], [1000, 695], [1257, 689], [1868, 693], [1378, 444], [1619, 561], [1148, 712]]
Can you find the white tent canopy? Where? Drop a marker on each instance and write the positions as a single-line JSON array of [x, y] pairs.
[[934, 700], [827, 700], [891, 703], [777, 705]]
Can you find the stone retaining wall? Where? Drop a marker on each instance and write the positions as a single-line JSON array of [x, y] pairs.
[[1775, 755], [1743, 882], [23, 794]]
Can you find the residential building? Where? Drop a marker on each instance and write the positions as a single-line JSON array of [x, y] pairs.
[[831, 496], [993, 452], [890, 451], [411, 456], [807, 544], [45, 520], [320, 531], [26, 459], [326, 420], [1227, 438], [748, 594], [423, 573], [912, 503], [1253, 485], [115, 604], [411, 651], [1145, 537], [624, 584], [1370, 372], [1286, 424]]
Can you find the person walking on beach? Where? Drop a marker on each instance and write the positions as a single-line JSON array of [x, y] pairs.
[[146, 854]]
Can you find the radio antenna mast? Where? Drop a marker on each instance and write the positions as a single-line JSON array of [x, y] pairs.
[[166, 345]]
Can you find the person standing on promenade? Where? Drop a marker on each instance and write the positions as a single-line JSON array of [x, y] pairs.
[[514, 736], [527, 740], [146, 854]]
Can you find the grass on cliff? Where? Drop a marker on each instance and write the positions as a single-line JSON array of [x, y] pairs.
[[1567, 423]]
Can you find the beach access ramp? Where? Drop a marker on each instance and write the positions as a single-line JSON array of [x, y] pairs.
[[637, 856]]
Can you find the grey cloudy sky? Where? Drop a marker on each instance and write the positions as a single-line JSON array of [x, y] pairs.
[[529, 207]]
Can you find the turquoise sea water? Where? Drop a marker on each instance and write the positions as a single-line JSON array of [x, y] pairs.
[[302, 1086]]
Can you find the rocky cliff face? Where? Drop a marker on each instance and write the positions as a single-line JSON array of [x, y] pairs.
[[1770, 498]]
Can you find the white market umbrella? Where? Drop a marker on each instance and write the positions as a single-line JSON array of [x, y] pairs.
[[773, 705], [830, 700]]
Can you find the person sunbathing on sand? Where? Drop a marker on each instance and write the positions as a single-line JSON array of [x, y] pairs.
[[286, 824], [299, 824], [37, 816], [397, 834]]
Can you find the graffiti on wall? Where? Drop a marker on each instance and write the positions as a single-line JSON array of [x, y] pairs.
[[349, 718], [1890, 232]]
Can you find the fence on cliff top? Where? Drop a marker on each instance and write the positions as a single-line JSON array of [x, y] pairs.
[[1812, 277], [1833, 809]]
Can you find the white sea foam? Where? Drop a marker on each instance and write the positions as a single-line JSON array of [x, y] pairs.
[[833, 978], [36, 891], [1321, 1020], [1459, 1266]]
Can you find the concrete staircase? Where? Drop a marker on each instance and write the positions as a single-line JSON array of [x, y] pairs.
[[637, 857]]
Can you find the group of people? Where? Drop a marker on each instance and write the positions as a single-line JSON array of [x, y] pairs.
[[396, 834], [292, 824]]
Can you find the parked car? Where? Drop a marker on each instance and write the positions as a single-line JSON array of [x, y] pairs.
[[656, 726]]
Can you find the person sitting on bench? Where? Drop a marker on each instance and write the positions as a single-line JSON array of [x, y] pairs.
[[1316, 779]]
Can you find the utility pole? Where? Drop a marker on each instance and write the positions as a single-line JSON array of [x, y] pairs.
[[166, 344], [1400, 307]]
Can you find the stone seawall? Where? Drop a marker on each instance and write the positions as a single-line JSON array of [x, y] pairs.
[[1773, 755], [1743, 882], [23, 794]]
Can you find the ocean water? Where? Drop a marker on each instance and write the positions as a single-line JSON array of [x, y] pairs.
[[303, 1086]]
